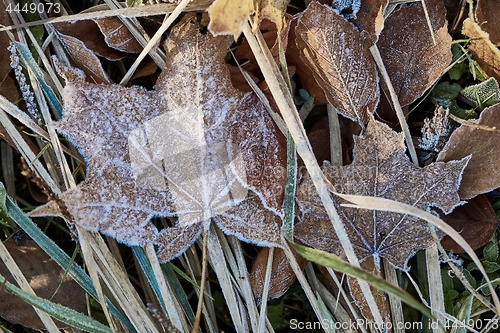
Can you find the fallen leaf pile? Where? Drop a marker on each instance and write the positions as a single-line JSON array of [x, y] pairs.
[[196, 149]]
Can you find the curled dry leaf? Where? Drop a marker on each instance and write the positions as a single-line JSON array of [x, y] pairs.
[[88, 32], [475, 221], [479, 138], [158, 153], [340, 61], [44, 276], [487, 13], [227, 17], [84, 58], [410, 56], [482, 49], [380, 168], [117, 35]]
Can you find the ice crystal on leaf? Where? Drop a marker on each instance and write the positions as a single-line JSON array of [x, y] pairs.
[[195, 148], [380, 168], [340, 60]]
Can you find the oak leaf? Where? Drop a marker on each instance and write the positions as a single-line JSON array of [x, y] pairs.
[[480, 138], [380, 168], [340, 61], [192, 148], [410, 56]]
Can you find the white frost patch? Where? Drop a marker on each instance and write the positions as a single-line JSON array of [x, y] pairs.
[[170, 151]]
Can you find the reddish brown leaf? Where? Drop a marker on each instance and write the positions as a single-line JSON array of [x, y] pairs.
[[44, 276], [487, 13], [282, 275], [478, 138], [482, 49], [370, 18], [193, 152], [380, 168], [410, 56], [475, 221], [320, 143], [340, 60]]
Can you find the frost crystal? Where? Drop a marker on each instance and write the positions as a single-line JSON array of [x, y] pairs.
[[347, 8], [25, 89], [435, 130]]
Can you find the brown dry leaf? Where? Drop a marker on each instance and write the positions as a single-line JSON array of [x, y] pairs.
[[380, 168], [88, 32], [487, 13], [475, 221], [193, 148], [479, 138], [370, 18], [44, 276], [245, 56], [303, 71], [282, 275], [227, 17], [482, 49], [380, 297], [84, 58], [412, 60], [340, 60], [117, 36]]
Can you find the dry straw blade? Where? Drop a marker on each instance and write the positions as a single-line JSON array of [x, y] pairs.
[[398, 207]]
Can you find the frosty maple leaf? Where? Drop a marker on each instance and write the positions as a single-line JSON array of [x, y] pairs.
[[380, 168], [192, 148]]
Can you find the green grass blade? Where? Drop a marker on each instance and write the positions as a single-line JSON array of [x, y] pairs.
[[62, 313], [291, 185], [147, 269], [330, 260], [167, 269]]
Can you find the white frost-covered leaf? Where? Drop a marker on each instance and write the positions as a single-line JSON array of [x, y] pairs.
[[195, 148]]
